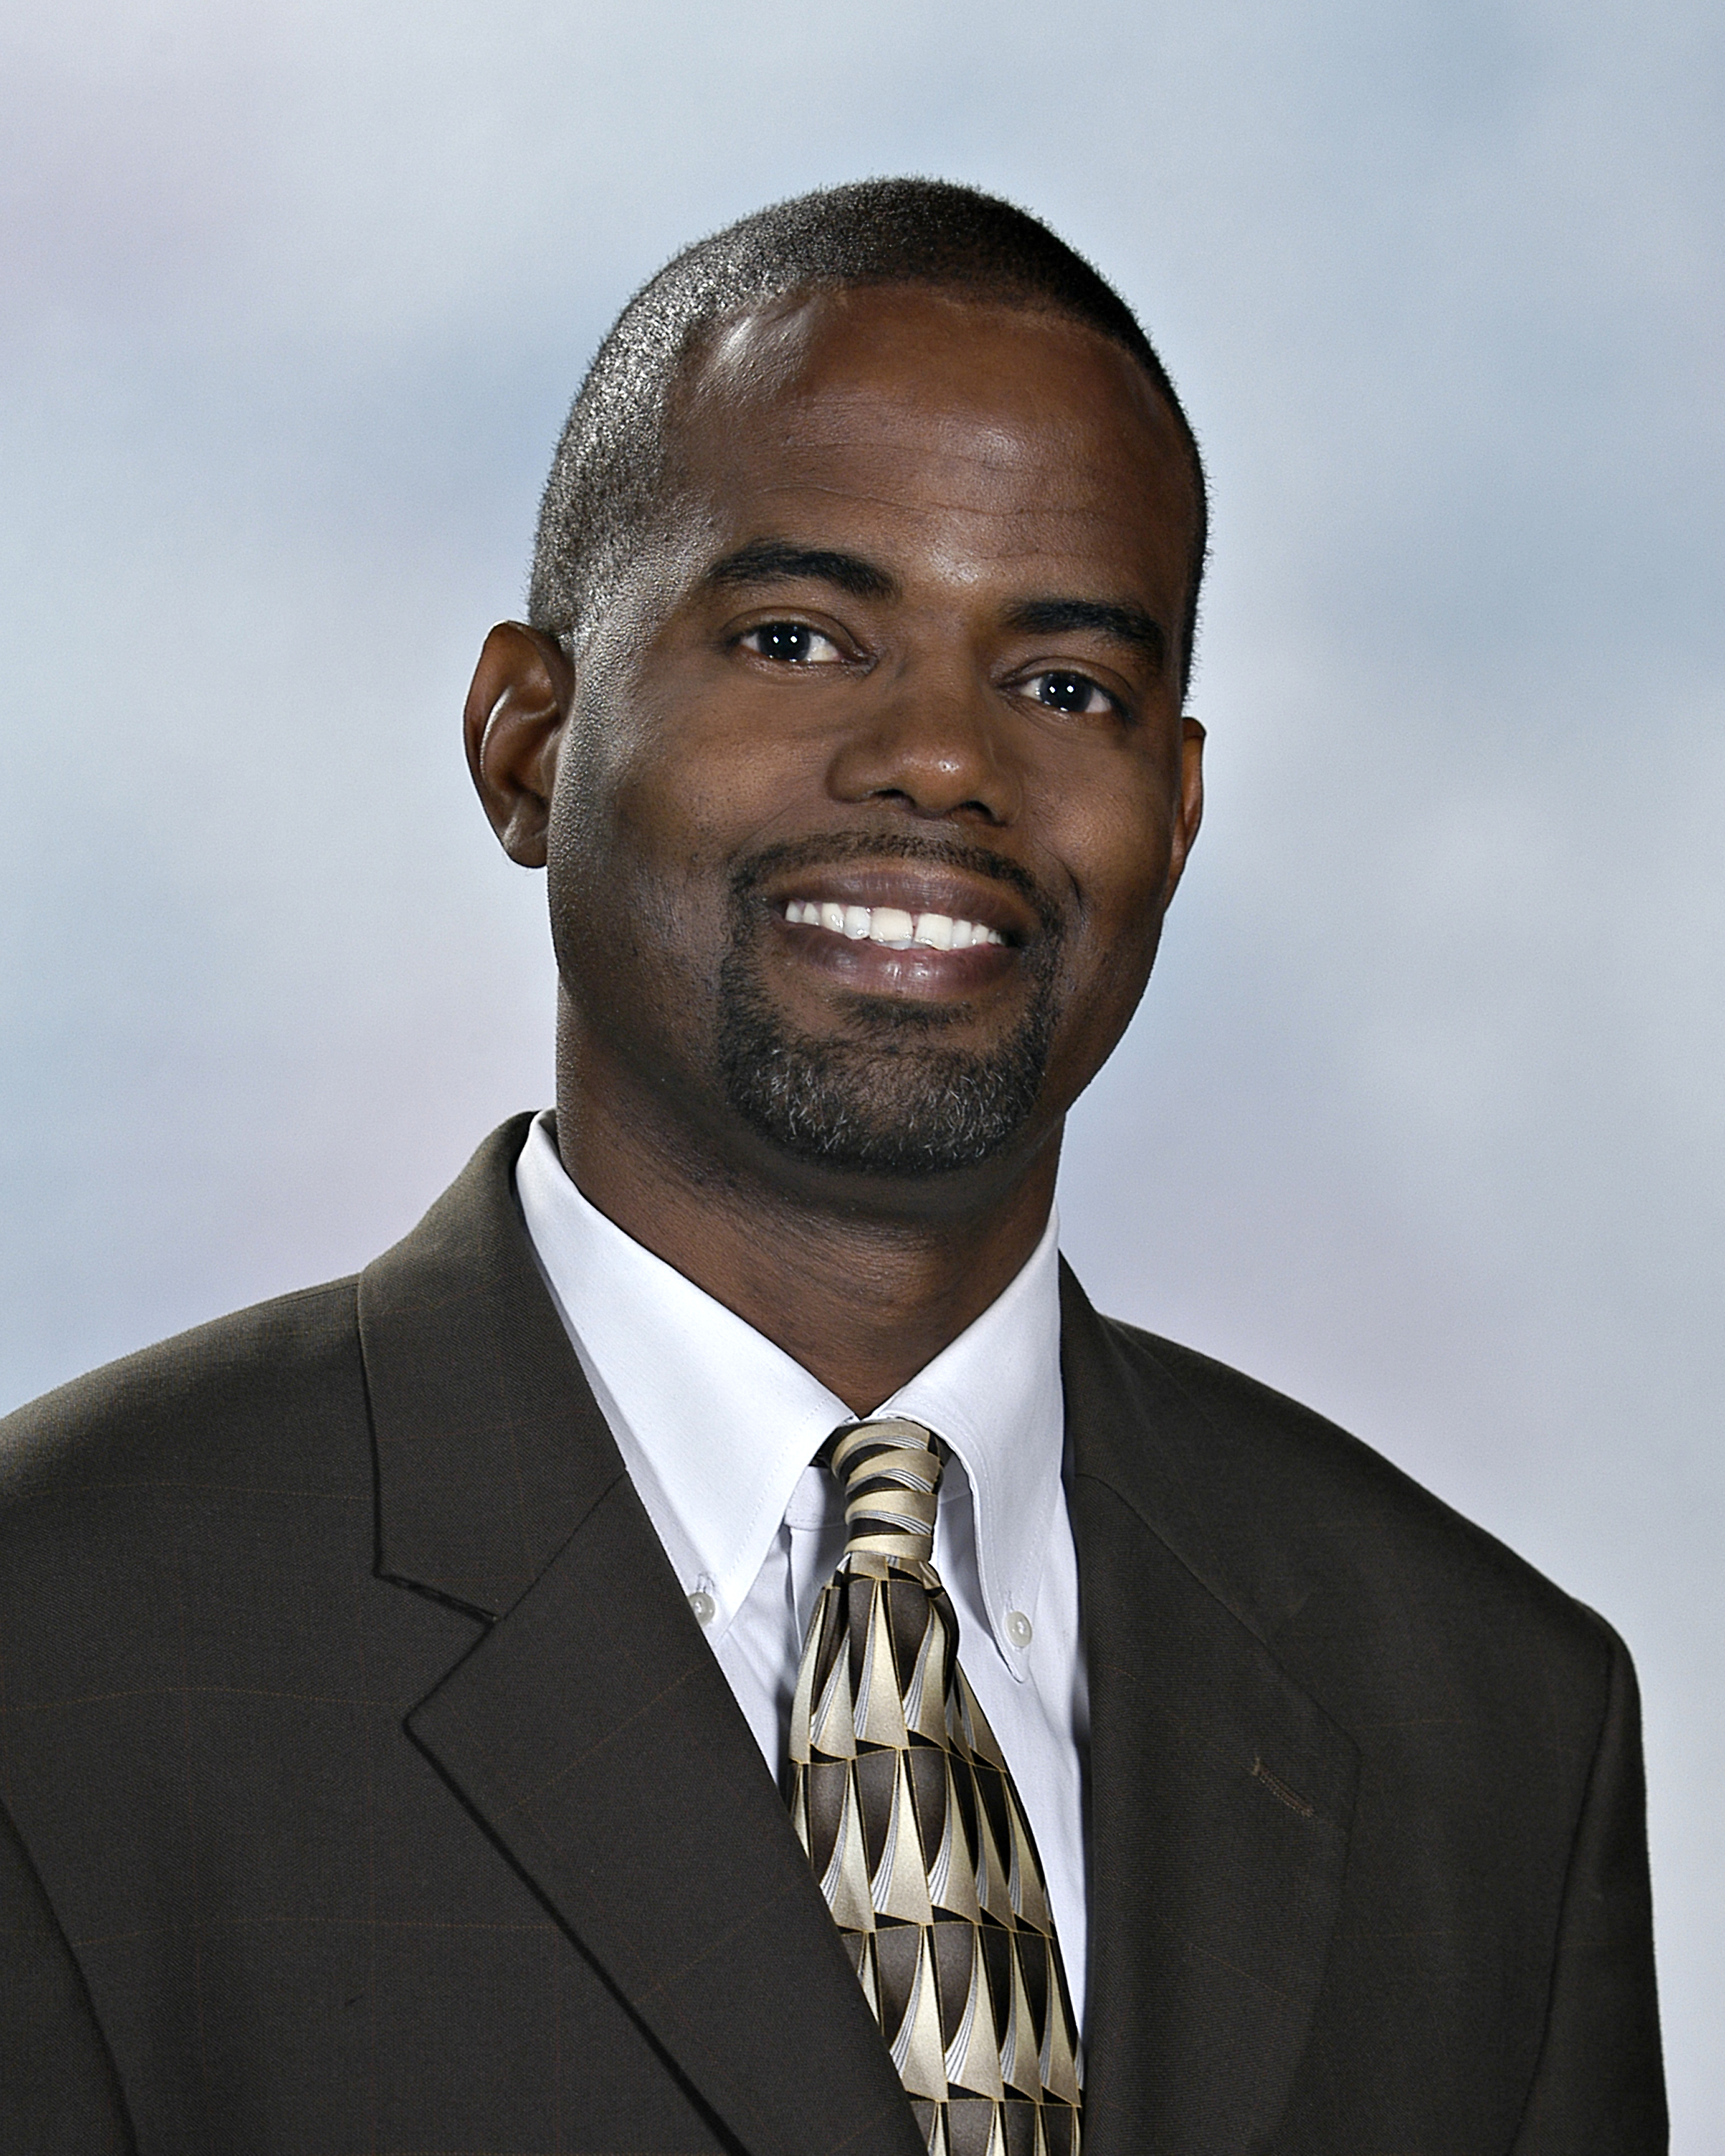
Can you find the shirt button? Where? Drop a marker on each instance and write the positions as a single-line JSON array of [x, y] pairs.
[[704, 1606], [1017, 1628]]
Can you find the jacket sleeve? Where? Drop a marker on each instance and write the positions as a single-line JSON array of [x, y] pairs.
[[1599, 2089], [58, 2092]]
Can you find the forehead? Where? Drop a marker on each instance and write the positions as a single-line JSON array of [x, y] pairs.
[[905, 412]]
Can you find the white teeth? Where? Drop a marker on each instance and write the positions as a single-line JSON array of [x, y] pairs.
[[890, 925]]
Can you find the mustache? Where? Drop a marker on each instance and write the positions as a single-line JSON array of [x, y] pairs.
[[839, 847]]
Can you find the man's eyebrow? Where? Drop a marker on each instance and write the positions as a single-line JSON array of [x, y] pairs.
[[775, 561], [1124, 623]]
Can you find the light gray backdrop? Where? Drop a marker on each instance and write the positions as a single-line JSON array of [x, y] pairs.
[[1423, 1120]]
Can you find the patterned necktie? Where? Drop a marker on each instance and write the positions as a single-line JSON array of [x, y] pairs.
[[903, 1800]]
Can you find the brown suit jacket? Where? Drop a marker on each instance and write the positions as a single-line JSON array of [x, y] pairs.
[[368, 1786]]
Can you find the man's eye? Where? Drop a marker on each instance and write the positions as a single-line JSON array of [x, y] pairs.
[[1075, 695], [793, 643]]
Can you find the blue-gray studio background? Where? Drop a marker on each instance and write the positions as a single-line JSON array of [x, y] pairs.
[[1424, 1119]]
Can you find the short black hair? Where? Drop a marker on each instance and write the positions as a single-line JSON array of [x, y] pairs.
[[605, 481]]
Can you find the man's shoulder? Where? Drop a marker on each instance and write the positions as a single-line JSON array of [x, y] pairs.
[[1321, 1533], [258, 1393]]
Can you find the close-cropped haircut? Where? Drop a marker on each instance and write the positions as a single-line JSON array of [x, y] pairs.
[[608, 479]]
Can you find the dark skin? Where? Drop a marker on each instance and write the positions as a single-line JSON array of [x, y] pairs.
[[926, 586]]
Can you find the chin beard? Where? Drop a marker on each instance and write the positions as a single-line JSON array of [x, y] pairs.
[[889, 1100]]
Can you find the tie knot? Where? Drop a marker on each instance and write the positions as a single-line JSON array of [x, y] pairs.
[[890, 1471]]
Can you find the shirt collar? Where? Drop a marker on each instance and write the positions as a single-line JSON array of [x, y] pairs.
[[716, 1423]]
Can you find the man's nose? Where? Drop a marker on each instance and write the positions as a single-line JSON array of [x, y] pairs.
[[933, 741]]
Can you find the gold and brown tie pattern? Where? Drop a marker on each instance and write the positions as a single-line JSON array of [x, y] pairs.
[[903, 1800]]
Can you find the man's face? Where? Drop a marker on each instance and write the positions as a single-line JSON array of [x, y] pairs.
[[876, 787]]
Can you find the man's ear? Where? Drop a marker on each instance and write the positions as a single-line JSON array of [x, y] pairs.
[[514, 724], [1189, 812]]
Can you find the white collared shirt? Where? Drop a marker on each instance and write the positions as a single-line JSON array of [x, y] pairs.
[[718, 1426]]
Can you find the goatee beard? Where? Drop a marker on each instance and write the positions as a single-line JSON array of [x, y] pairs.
[[889, 1099]]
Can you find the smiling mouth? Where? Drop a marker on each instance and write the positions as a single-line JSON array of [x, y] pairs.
[[891, 925]]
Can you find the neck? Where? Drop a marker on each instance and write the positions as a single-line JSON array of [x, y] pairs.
[[861, 1279]]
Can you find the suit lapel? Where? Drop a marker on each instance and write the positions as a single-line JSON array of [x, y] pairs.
[[590, 1730], [1220, 1793]]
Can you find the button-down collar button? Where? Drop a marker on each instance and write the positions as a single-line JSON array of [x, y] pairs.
[[704, 1606], [1017, 1628]]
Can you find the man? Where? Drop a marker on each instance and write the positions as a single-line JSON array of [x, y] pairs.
[[711, 1643]]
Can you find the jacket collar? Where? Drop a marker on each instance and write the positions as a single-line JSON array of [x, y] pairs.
[[489, 1449], [608, 1757], [1221, 1794]]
